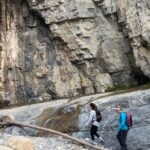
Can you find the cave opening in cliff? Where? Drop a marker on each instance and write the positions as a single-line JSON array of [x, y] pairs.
[[139, 77]]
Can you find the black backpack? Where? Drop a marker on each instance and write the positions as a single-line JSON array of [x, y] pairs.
[[98, 116]]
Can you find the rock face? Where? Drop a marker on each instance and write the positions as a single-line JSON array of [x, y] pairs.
[[53, 49], [137, 103]]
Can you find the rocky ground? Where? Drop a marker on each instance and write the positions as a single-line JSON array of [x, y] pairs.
[[69, 115], [46, 143]]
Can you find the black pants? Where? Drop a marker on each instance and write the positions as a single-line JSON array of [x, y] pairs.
[[93, 132], [122, 137]]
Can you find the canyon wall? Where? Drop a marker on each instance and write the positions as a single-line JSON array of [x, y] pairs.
[[65, 48]]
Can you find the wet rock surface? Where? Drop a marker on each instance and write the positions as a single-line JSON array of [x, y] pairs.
[[136, 102]]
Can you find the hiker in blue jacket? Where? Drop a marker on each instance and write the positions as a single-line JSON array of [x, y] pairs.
[[122, 128]]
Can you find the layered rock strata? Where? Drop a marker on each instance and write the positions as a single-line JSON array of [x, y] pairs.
[[62, 48]]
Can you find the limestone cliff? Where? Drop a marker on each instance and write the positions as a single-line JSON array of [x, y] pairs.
[[63, 48]]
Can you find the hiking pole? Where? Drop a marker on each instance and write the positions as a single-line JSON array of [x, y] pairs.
[[73, 139]]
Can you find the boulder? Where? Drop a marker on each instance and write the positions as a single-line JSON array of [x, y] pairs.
[[20, 143], [4, 148]]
